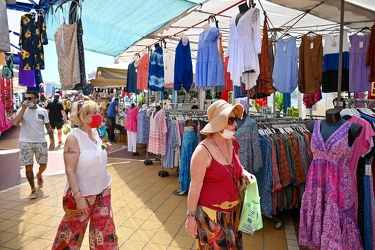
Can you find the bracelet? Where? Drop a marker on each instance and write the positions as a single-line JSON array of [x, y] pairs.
[[190, 213], [74, 193]]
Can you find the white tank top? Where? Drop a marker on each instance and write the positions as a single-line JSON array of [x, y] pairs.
[[92, 174]]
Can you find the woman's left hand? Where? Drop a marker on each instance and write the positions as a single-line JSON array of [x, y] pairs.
[[109, 147], [247, 176]]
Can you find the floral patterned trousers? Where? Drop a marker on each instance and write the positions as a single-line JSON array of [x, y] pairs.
[[73, 226]]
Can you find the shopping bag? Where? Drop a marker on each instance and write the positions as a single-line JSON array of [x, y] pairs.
[[251, 216], [66, 129]]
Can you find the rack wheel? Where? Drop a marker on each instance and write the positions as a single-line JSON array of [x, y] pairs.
[[278, 226]]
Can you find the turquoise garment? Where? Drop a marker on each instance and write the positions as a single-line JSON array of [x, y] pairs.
[[209, 70], [189, 143]]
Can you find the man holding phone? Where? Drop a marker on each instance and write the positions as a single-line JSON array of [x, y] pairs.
[[32, 138]]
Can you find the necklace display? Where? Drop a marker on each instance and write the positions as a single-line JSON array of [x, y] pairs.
[[230, 163]]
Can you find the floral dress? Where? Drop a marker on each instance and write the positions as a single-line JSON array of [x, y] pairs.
[[33, 36], [328, 211]]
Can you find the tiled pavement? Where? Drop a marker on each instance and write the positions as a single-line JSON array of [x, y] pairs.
[[147, 213]]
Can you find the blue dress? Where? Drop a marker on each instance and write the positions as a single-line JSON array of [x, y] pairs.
[[156, 70], [189, 143], [183, 67], [285, 71], [209, 70], [143, 126]]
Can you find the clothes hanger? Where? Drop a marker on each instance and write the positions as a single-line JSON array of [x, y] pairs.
[[311, 33], [363, 29]]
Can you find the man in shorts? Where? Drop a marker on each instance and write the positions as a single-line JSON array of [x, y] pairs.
[[56, 114], [32, 138]]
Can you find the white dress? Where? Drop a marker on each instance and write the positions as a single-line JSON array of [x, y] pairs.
[[244, 45]]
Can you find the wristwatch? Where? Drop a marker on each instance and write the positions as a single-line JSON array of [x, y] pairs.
[[190, 213]]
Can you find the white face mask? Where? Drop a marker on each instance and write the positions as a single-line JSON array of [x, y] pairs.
[[31, 105], [227, 134]]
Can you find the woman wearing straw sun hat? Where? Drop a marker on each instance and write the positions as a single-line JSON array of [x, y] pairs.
[[215, 173]]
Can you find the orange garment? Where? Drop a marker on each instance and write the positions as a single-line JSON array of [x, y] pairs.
[[370, 58], [142, 72], [266, 64], [221, 47], [228, 82], [2, 58]]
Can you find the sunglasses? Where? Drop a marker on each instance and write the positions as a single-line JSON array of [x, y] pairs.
[[79, 105], [29, 98], [231, 120]]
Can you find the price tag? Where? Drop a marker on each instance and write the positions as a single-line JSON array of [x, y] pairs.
[[292, 113], [311, 45], [284, 49], [368, 170], [334, 44], [361, 45]]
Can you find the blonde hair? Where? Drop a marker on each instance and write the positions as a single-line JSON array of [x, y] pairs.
[[80, 111]]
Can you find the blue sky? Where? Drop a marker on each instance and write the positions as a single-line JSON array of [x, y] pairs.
[[92, 61]]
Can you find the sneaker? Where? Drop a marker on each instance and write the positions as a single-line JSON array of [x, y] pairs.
[[33, 195]]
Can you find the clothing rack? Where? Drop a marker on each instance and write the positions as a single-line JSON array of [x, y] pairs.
[[270, 127], [363, 101]]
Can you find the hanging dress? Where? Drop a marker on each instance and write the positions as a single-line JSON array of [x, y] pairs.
[[285, 71], [33, 36], [331, 63], [143, 126], [67, 55], [183, 67], [244, 45], [359, 72], [328, 208], [209, 67], [156, 70], [157, 143], [310, 64], [142, 72]]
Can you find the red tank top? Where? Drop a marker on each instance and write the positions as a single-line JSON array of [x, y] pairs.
[[218, 184]]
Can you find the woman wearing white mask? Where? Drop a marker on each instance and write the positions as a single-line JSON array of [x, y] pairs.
[[215, 174]]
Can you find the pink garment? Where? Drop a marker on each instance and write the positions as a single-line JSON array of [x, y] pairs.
[[131, 123], [157, 143], [3, 119], [361, 146], [327, 215], [142, 72]]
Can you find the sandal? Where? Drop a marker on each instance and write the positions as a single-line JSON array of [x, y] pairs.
[[40, 182], [34, 194], [182, 193]]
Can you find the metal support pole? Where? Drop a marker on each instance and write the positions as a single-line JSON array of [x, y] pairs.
[[339, 78]]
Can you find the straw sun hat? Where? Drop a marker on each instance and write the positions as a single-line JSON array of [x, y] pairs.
[[218, 114]]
